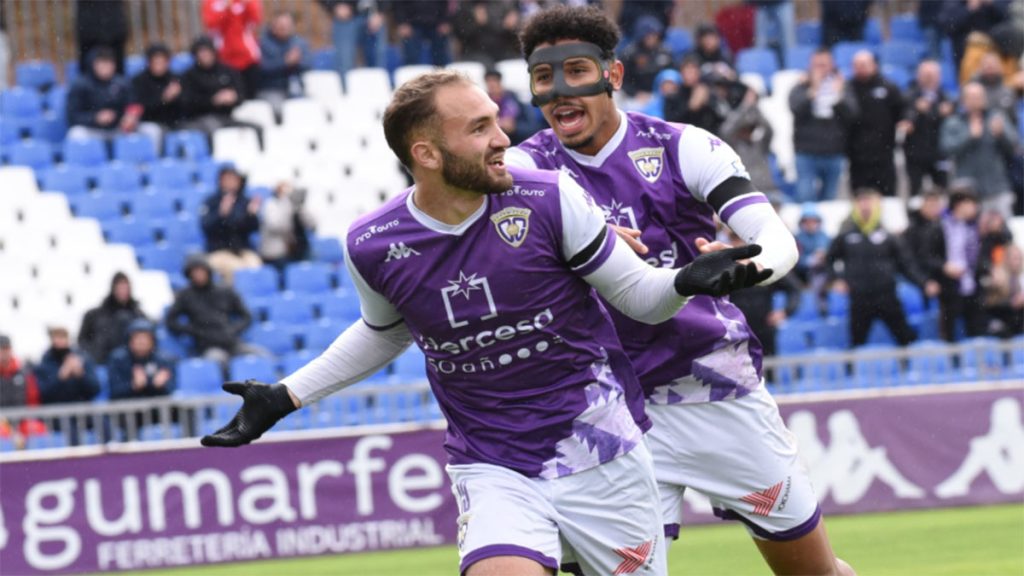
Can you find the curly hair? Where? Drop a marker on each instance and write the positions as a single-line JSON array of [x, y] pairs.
[[585, 23]]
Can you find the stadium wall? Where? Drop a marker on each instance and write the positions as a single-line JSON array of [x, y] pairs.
[[151, 505]]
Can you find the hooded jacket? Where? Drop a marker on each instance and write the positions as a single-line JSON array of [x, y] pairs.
[[198, 86], [214, 316], [230, 232], [88, 95], [232, 23], [872, 259], [148, 90], [53, 390], [123, 363], [104, 328]]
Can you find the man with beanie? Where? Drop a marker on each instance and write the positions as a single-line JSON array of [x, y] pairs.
[[104, 328], [157, 89], [229, 218], [209, 90], [100, 102]]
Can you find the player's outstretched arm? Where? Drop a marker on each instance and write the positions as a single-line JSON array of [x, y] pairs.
[[262, 406]]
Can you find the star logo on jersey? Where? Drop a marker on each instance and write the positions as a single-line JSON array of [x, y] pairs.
[[764, 500], [633, 558], [400, 251], [512, 224], [648, 162], [615, 212], [463, 291]]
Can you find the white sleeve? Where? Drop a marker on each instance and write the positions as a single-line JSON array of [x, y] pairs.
[[519, 158], [634, 287], [705, 161], [758, 223], [376, 310], [582, 220], [359, 351]]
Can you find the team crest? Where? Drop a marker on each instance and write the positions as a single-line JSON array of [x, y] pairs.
[[648, 162], [512, 225]]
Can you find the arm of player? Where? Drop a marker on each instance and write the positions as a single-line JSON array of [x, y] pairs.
[[714, 174]]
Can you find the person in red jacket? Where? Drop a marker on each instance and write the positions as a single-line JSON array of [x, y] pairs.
[[233, 25], [17, 389]]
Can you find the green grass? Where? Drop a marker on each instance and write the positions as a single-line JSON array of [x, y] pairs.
[[957, 541]]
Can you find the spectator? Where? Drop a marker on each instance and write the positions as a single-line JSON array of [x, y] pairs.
[[823, 110], [812, 242], [634, 10], [233, 25], [157, 89], [644, 58], [926, 108], [284, 226], [750, 134], [994, 237], [285, 58], [843, 20], [924, 237], [137, 371], [872, 259], [357, 23], [424, 24], [66, 375], [104, 328], [18, 388], [960, 299], [928, 19], [871, 143], [229, 217], [958, 18], [980, 142], [1000, 96], [774, 25], [694, 103], [666, 85], [100, 104], [209, 90], [515, 119], [487, 31], [214, 316], [100, 23], [710, 52], [1004, 294]]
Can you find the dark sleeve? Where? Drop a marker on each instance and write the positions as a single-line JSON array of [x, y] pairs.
[[799, 102], [835, 254], [87, 333], [46, 378], [791, 288], [169, 365], [732, 187], [195, 101], [78, 109], [907, 266], [243, 319], [119, 375], [210, 219], [90, 382], [173, 318]]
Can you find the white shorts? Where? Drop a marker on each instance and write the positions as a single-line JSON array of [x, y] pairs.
[[604, 520], [741, 456]]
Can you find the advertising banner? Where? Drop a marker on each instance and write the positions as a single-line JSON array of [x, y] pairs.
[[378, 491]]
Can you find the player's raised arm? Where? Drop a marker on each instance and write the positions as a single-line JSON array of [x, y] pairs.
[[643, 292], [360, 351]]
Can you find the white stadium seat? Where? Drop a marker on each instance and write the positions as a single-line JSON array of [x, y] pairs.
[[324, 86], [255, 111], [304, 116], [405, 73], [474, 70], [239, 145], [17, 182], [373, 83], [515, 77], [755, 81]]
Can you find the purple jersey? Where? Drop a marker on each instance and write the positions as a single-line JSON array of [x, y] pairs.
[[521, 354], [655, 176]]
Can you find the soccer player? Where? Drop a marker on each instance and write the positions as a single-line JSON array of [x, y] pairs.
[[491, 271], [716, 428]]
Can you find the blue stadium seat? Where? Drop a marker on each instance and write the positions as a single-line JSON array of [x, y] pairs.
[[808, 309], [808, 33], [151, 206], [832, 334], [56, 100], [21, 103], [822, 375], [182, 229], [170, 173], [901, 77], [340, 307], [35, 74], [166, 257], [70, 71], [837, 304], [170, 344], [135, 148], [875, 372], [35, 154], [207, 171], [926, 323], [879, 334], [97, 205], [900, 54], [798, 57], [679, 41], [85, 152], [198, 376], [324, 59], [259, 307], [307, 277], [929, 363], [287, 309], [292, 361], [256, 282], [120, 177], [71, 180], [911, 298], [873, 31], [761, 61], [131, 231], [255, 367], [49, 127], [410, 366], [12, 131], [843, 53], [319, 335], [327, 250], [189, 144], [133, 64], [272, 338], [181, 62], [792, 338], [981, 360], [1016, 358], [905, 27]]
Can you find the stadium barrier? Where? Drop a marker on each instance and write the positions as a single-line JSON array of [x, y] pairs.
[[170, 503]]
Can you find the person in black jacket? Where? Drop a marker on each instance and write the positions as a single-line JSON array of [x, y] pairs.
[[424, 22], [104, 328], [823, 109], [66, 375], [925, 238], [100, 102], [871, 141], [139, 370], [644, 58], [210, 90], [229, 218], [695, 102], [214, 316], [927, 108], [157, 89], [100, 23], [872, 258]]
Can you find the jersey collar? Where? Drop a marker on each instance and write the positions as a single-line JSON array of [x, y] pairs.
[[598, 159], [435, 225]]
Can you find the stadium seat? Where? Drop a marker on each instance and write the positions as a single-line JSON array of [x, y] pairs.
[[475, 71], [679, 41], [515, 77], [120, 177], [842, 53], [875, 372], [761, 61], [287, 309], [910, 297], [35, 74], [35, 154], [901, 77], [256, 282], [272, 338], [134, 148], [130, 231], [189, 144], [152, 205], [292, 361], [56, 100], [197, 377], [323, 85], [808, 33], [98, 205], [792, 338], [820, 374], [879, 334], [318, 335], [255, 367], [51, 127], [181, 62], [338, 306], [981, 359], [409, 71], [929, 363], [170, 173], [798, 56], [304, 116], [182, 229], [873, 31], [809, 308], [323, 59], [373, 83], [133, 64], [307, 277], [832, 334], [21, 103], [905, 27], [410, 366], [327, 250], [900, 53], [85, 151], [68, 179], [258, 112], [837, 304], [238, 145], [165, 257]]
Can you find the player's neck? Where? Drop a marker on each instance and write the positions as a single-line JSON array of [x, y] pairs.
[[603, 135], [446, 204]]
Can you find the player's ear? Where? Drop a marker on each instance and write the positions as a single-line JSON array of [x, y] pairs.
[[426, 154], [616, 72]]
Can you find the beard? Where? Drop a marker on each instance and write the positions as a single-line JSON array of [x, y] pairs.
[[468, 175]]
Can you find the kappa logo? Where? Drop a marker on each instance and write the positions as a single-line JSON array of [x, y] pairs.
[[512, 225], [648, 162], [764, 500], [633, 558], [399, 252]]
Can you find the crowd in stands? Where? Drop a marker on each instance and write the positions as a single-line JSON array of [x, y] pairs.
[[951, 115]]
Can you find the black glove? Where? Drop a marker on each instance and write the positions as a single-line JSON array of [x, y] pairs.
[[262, 406], [718, 273]]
